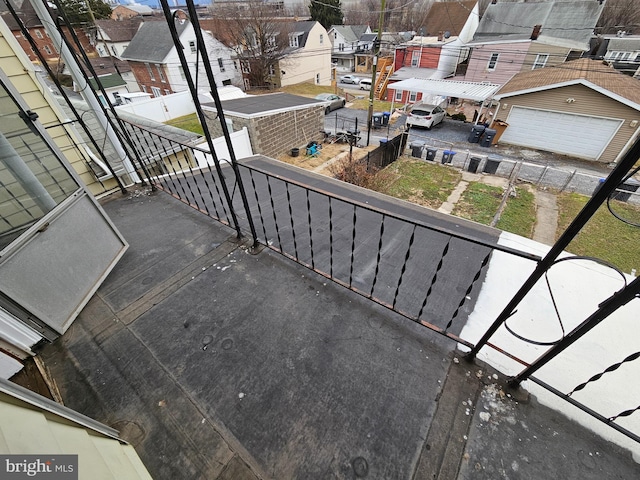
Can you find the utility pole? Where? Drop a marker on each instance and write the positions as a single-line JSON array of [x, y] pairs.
[[374, 68]]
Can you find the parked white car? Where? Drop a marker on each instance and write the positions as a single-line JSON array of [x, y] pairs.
[[350, 79], [365, 84], [425, 115]]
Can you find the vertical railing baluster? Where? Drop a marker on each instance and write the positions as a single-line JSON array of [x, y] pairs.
[[313, 266], [255, 192], [434, 279], [404, 267], [464, 297], [353, 247], [375, 275], [293, 230], [330, 239], [220, 195], [273, 211], [175, 176], [184, 175]]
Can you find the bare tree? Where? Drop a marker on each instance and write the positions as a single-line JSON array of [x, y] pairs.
[[619, 15], [258, 35]]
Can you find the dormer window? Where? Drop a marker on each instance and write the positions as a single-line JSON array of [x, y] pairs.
[[294, 39]]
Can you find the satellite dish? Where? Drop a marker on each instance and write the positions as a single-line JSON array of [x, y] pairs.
[[447, 34]]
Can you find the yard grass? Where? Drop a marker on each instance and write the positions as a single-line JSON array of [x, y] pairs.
[[188, 122], [479, 202], [424, 183], [604, 236], [519, 215]]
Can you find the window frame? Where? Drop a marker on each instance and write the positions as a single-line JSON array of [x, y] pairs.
[[493, 61], [540, 61]]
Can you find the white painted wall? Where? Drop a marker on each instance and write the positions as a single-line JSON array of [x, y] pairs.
[[162, 109], [579, 287], [241, 146]]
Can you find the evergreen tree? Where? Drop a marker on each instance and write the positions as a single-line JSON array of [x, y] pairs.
[[326, 12]]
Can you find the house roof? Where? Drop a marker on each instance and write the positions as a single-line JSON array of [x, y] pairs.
[[592, 73], [139, 9], [104, 65], [448, 17], [152, 43], [351, 33], [121, 30], [568, 24], [260, 105], [109, 80], [405, 73], [447, 88]]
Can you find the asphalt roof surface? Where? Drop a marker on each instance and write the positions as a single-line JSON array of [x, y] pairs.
[[256, 104]]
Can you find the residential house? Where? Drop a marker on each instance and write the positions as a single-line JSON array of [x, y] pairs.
[[36, 30], [583, 108], [517, 37], [122, 12], [346, 41], [155, 63], [309, 55], [364, 54], [437, 53], [622, 51], [113, 36]]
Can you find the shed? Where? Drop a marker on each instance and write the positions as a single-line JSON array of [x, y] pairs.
[[584, 108], [276, 122]]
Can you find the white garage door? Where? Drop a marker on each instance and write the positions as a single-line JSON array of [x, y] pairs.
[[575, 135]]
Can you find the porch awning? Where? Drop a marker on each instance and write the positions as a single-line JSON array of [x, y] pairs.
[[447, 88]]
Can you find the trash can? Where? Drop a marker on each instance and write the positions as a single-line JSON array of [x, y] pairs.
[[376, 120], [598, 187], [492, 164], [385, 118], [487, 138], [499, 126], [476, 133], [416, 148], [431, 154], [629, 185], [295, 152], [474, 163], [447, 156]]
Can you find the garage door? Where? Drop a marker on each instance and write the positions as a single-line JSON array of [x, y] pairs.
[[575, 135]]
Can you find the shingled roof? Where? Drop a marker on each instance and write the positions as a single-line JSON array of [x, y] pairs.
[[152, 43], [448, 17], [569, 24], [596, 72]]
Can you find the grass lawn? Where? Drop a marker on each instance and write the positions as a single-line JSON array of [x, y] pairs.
[[479, 202], [604, 236], [424, 183], [188, 122], [519, 215]]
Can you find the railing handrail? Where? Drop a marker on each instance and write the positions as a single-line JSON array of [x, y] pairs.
[[396, 216]]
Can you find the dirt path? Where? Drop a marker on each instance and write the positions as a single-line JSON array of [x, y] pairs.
[[546, 217]]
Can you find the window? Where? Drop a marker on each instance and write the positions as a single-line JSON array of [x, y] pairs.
[[149, 71], [415, 58], [341, 47], [226, 82], [235, 65], [221, 64], [493, 61], [39, 34], [47, 50], [192, 46], [321, 39], [272, 71], [167, 92], [398, 96], [293, 40], [271, 41], [160, 72], [412, 96], [541, 61], [143, 88], [244, 65], [156, 92], [335, 35], [317, 78]]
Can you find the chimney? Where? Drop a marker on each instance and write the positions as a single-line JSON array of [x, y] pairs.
[[440, 36], [536, 32]]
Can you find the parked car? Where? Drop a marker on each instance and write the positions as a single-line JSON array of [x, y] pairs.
[[365, 84], [425, 115], [350, 79], [331, 101]]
